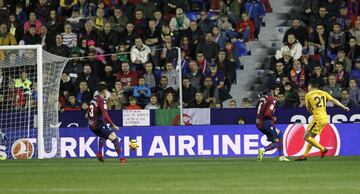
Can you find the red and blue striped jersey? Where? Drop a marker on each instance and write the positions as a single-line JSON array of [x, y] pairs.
[[265, 110], [97, 113]]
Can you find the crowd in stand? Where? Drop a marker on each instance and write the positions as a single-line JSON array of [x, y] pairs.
[[323, 44], [130, 45]]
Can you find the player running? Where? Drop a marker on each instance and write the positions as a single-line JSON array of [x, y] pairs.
[[265, 122], [98, 120], [316, 104]]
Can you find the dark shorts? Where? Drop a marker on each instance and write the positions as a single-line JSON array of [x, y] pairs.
[[269, 130], [102, 131]]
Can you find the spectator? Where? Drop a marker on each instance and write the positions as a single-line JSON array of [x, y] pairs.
[[317, 40], [341, 57], [195, 75], [152, 35], [209, 91], [219, 38], [59, 48], [333, 88], [140, 22], [169, 101], [208, 47], [87, 76], [42, 10], [163, 89], [202, 63], [66, 7], [23, 81], [298, 31], [199, 101], [281, 100], [302, 103], [291, 96], [331, 6], [84, 94], [245, 103], [99, 20], [246, 27], [46, 38], [355, 73], [30, 37], [217, 76], [32, 21], [188, 92], [291, 45], [118, 21], [310, 8], [241, 121], [108, 77], [299, 75], [149, 76], [354, 91], [172, 75], [139, 54], [318, 75], [336, 40], [148, 7], [71, 104], [342, 77], [153, 104], [15, 28], [6, 38], [159, 21], [180, 23], [355, 32], [20, 14], [346, 100], [128, 78], [323, 18], [75, 20], [127, 8], [195, 34], [118, 89], [128, 35], [279, 72], [232, 104], [66, 85], [204, 22], [353, 50], [115, 102], [256, 11], [69, 37], [133, 104], [108, 39], [74, 67], [345, 20], [89, 33], [228, 67], [142, 92]]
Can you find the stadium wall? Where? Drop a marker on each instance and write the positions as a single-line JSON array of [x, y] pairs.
[[195, 141], [220, 117]]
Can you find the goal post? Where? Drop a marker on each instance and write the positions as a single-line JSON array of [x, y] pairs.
[[30, 83]]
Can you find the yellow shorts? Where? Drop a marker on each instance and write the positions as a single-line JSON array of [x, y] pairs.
[[316, 127]]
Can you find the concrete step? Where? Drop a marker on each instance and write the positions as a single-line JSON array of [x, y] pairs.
[[271, 36], [277, 29], [263, 51], [282, 9], [252, 59], [276, 16], [276, 22], [263, 44]]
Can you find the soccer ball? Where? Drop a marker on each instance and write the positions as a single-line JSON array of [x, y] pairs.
[[133, 144]]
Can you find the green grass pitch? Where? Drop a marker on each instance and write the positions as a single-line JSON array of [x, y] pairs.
[[338, 175]]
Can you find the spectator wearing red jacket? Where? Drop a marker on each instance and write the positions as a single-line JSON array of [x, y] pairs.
[[246, 27]]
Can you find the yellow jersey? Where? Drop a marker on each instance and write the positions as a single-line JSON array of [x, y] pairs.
[[316, 104]]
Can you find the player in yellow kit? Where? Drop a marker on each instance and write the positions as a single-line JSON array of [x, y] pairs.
[[316, 104]]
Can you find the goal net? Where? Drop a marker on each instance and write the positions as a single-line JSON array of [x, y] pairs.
[[29, 90]]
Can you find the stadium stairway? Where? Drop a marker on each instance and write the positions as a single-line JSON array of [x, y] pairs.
[[252, 79]]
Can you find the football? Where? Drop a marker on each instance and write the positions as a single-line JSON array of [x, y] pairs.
[[133, 144]]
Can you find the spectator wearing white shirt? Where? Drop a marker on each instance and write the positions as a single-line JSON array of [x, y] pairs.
[[139, 54], [69, 38], [291, 45]]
